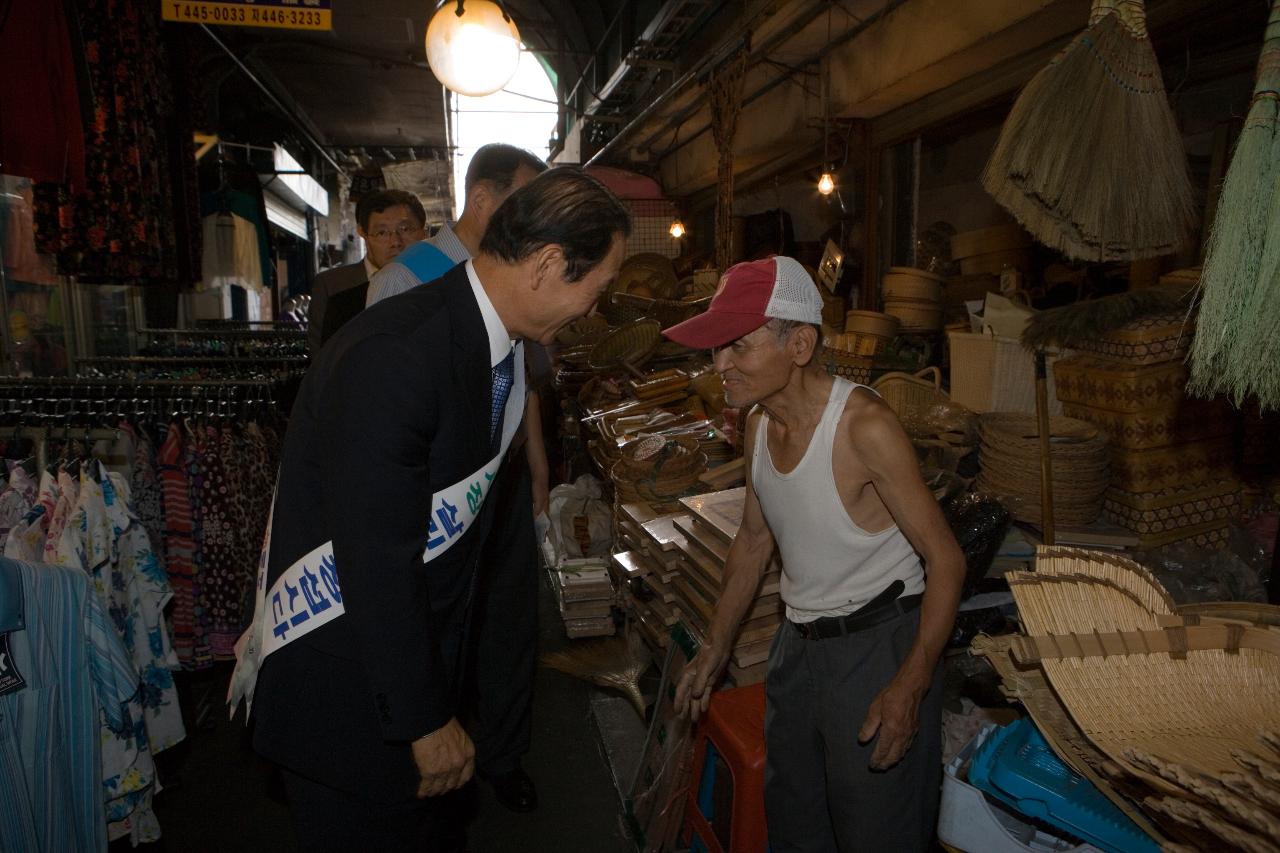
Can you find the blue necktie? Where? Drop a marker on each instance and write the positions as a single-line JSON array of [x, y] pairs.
[[503, 377]]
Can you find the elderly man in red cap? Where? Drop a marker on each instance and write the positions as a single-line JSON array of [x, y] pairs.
[[853, 714]]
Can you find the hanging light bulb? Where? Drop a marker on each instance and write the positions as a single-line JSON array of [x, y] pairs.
[[473, 48], [677, 228], [826, 184]]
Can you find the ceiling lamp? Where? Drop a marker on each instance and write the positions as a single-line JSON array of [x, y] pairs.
[[473, 47], [826, 183], [677, 228]]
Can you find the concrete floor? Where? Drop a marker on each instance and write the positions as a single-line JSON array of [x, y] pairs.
[[220, 797]]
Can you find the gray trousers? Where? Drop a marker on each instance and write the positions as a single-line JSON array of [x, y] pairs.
[[820, 794]]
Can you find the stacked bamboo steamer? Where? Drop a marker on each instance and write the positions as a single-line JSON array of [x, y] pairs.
[[914, 296], [865, 333], [988, 251]]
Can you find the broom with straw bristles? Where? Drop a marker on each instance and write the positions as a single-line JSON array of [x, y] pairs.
[[1090, 160], [1236, 350]]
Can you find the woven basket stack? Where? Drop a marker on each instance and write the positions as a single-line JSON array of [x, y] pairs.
[[657, 469], [1172, 455], [1173, 717], [1010, 459]]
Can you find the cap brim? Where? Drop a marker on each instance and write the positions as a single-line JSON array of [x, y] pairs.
[[714, 329]]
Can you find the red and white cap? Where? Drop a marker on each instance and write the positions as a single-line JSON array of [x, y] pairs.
[[750, 295]]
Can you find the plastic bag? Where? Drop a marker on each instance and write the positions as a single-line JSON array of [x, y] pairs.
[[979, 522], [581, 523], [1193, 575]]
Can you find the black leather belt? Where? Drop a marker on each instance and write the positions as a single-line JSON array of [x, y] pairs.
[[885, 606]]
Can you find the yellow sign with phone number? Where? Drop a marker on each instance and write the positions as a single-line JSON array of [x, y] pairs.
[[283, 14]]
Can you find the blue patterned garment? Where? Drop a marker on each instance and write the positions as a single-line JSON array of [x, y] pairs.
[[103, 538], [77, 677]]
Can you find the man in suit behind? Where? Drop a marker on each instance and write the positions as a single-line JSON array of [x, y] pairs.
[[387, 221], [381, 512]]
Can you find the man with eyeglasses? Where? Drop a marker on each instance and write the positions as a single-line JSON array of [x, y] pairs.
[[388, 221]]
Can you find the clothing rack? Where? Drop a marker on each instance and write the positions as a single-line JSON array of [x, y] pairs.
[[232, 332], [28, 401], [194, 360], [40, 436]]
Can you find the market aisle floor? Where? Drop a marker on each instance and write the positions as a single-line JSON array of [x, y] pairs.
[[221, 797]]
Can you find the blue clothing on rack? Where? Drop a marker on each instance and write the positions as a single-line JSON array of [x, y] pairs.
[[63, 669]]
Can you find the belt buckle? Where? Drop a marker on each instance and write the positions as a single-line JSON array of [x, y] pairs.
[[805, 629]]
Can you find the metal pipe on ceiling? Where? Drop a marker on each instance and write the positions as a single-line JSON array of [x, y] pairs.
[[276, 102], [711, 60], [795, 68]]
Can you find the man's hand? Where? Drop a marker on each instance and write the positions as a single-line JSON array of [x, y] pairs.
[[895, 714], [445, 759], [693, 693]]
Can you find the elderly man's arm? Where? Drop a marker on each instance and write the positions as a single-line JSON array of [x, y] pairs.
[[882, 446], [744, 566]]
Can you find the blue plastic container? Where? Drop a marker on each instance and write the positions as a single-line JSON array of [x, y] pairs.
[[1016, 766]]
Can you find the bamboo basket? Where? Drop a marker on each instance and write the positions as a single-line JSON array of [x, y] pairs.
[[1137, 678], [1029, 687], [1153, 514], [1116, 386], [631, 344], [1190, 420], [846, 365], [871, 323], [915, 316], [1148, 340], [987, 251], [912, 285], [667, 312], [911, 395], [1010, 467], [993, 374], [1166, 467]]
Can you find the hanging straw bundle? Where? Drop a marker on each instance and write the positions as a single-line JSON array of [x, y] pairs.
[[1237, 344], [1090, 159]]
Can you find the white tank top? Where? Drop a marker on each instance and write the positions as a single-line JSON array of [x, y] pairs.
[[830, 566]]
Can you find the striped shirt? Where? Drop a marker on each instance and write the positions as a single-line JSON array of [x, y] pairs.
[[424, 261], [61, 642]]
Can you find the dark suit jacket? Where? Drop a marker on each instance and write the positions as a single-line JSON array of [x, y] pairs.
[[328, 284], [395, 408]]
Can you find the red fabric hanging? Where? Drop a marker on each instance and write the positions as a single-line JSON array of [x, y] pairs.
[[41, 136]]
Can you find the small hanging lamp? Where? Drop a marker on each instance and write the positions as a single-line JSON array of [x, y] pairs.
[[473, 46], [677, 228]]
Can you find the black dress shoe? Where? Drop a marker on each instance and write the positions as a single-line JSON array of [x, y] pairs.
[[515, 790]]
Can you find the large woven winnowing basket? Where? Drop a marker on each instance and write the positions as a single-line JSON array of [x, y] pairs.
[[1139, 679]]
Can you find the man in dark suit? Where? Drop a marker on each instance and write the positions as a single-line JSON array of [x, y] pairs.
[[387, 221], [398, 429]]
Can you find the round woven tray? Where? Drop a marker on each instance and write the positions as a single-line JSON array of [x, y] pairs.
[[630, 344], [1010, 466], [656, 468]]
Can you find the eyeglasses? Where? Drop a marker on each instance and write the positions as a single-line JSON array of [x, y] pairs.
[[404, 229]]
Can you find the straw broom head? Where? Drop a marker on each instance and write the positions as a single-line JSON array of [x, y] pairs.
[[615, 663], [1236, 349], [1090, 160]]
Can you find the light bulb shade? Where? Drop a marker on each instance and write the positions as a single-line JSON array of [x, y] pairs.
[[475, 53], [677, 229], [826, 184]]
